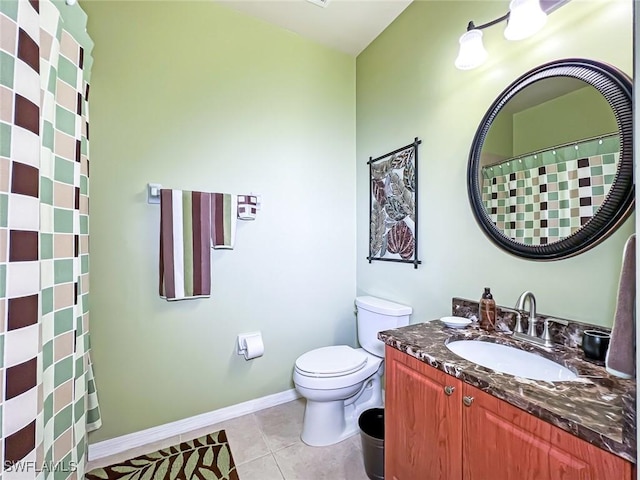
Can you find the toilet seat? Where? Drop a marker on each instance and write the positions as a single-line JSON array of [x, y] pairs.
[[332, 361]]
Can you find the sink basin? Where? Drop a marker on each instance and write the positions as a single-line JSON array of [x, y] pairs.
[[513, 361]]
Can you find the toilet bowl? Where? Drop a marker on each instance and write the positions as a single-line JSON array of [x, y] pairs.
[[340, 382], [336, 395]]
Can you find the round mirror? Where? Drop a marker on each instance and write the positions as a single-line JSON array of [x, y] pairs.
[[550, 170]]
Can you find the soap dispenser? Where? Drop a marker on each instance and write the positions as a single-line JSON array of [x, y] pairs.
[[487, 311]]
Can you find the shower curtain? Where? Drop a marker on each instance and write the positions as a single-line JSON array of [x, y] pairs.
[[48, 399], [544, 197]]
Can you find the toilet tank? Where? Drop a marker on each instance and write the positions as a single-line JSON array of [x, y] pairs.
[[374, 315]]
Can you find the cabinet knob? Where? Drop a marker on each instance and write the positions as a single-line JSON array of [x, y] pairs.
[[449, 390], [467, 400]]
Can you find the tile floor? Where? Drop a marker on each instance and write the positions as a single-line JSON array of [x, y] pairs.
[[266, 445]]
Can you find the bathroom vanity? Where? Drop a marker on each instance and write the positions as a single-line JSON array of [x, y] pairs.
[[448, 418]]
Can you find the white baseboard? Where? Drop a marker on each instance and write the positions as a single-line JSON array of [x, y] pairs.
[[137, 439]]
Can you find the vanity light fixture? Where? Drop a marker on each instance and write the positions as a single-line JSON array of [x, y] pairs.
[[524, 19], [472, 53]]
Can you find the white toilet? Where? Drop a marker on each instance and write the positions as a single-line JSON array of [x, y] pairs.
[[340, 382]]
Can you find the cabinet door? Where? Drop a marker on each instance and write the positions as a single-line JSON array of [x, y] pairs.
[[503, 442], [423, 431]]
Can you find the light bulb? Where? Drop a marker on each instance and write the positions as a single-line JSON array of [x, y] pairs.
[[472, 53], [525, 19]]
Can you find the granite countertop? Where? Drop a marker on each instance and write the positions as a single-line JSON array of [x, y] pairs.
[[597, 407]]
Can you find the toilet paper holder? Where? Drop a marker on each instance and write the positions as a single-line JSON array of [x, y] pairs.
[[245, 338]]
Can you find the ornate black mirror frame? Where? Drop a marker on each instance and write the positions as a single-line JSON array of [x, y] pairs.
[[616, 87]]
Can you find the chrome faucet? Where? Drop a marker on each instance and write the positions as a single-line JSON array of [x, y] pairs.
[[532, 334], [531, 330]]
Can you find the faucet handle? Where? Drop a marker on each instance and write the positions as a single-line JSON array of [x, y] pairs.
[[559, 321], [518, 326], [546, 335]]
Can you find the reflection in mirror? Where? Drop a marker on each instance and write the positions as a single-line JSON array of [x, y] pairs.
[[550, 171], [549, 160]]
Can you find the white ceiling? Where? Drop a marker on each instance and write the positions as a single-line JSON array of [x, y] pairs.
[[346, 25]]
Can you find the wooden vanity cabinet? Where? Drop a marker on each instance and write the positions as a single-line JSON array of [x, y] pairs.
[[435, 433], [423, 420]]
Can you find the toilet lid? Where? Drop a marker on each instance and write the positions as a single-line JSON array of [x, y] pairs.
[[331, 361]]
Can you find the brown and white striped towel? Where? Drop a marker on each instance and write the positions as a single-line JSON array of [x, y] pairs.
[[224, 216], [185, 244]]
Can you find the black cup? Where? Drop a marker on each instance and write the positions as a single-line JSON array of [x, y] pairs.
[[595, 344]]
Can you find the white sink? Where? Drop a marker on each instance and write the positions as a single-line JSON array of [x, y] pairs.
[[513, 361]]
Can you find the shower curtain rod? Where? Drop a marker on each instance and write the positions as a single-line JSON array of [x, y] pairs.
[[562, 145]]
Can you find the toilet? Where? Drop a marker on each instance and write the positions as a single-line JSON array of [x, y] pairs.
[[340, 382]]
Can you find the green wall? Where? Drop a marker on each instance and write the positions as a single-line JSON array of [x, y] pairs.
[[407, 86], [498, 144], [578, 115], [198, 97]]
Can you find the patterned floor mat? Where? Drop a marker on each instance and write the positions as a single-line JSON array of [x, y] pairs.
[[205, 458]]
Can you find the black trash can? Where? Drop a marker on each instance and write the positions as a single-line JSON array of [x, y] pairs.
[[371, 423]]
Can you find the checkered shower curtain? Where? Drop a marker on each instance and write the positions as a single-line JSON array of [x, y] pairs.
[[48, 399], [541, 199]]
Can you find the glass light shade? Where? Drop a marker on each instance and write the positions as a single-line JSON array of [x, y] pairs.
[[472, 53], [525, 19]]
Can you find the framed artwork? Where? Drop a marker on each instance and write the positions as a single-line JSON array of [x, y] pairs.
[[393, 206]]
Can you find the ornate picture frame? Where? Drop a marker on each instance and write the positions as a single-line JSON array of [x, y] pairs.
[[393, 206]]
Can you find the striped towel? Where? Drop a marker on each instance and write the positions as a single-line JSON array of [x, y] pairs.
[[224, 216], [185, 242]]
